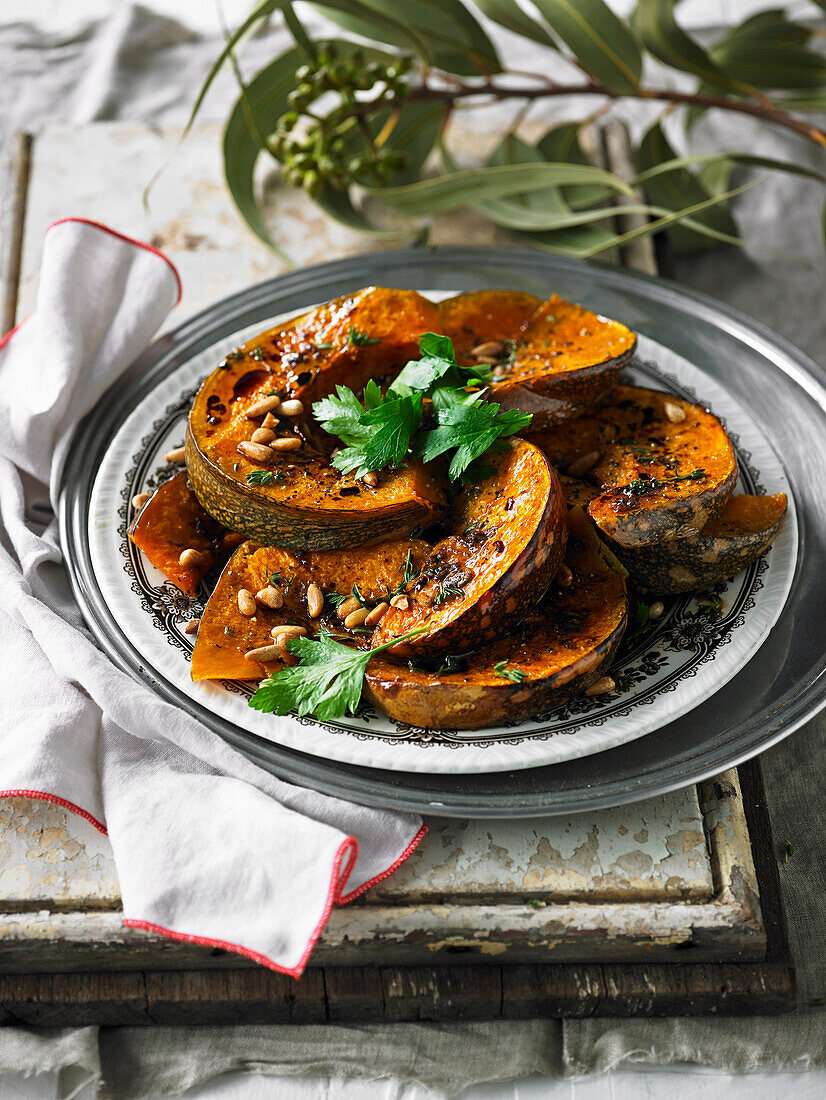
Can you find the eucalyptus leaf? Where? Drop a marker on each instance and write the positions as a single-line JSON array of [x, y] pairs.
[[601, 42], [654, 22], [686, 217], [512, 150], [370, 22], [296, 29], [580, 241], [508, 14], [733, 156], [784, 65], [259, 12], [441, 31], [676, 189], [264, 97], [570, 242], [772, 25], [561, 143], [469, 186]]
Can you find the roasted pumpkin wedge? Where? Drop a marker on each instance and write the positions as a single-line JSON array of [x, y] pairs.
[[666, 467], [172, 522], [506, 541], [743, 531], [558, 649], [225, 634], [295, 498], [557, 361]]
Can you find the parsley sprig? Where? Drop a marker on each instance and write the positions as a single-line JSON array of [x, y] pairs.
[[326, 683], [381, 431]]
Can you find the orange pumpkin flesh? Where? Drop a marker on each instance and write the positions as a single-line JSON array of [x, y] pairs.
[[638, 442], [225, 635], [170, 522], [561, 360], [506, 541], [308, 503], [562, 646]]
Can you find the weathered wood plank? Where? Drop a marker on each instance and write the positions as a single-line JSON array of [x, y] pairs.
[[652, 851], [15, 161], [54, 859], [639, 253]]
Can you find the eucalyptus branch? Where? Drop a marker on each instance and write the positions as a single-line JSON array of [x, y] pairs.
[[345, 120], [762, 110]]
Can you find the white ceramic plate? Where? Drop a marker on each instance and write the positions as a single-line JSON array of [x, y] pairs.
[[661, 674]]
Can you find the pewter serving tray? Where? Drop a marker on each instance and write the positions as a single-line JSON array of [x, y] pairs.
[[774, 384]]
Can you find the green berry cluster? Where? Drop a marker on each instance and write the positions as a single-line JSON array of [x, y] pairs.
[[337, 148]]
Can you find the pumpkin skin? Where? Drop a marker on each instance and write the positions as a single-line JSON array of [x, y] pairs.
[[564, 359], [743, 531], [563, 646], [225, 635], [507, 539], [170, 522], [309, 504], [636, 440]]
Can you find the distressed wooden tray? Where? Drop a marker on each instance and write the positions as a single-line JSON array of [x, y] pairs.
[[670, 906], [580, 917]]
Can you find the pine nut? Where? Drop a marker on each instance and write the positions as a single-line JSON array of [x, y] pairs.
[[264, 653], [287, 443], [601, 686], [486, 360], [269, 421], [177, 454], [674, 412], [347, 607], [191, 559], [401, 602], [377, 614], [315, 601], [293, 407], [256, 452], [656, 609], [356, 618], [580, 466], [271, 596], [139, 499], [246, 603], [262, 407], [564, 577], [282, 633], [192, 626], [490, 347], [370, 479], [262, 435]]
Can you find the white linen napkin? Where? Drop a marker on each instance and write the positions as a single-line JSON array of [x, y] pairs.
[[208, 847]]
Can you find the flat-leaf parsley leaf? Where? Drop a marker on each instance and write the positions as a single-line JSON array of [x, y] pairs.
[[379, 432], [469, 427], [327, 683]]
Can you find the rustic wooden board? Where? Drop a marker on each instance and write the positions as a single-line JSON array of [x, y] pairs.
[[635, 883], [435, 992]]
